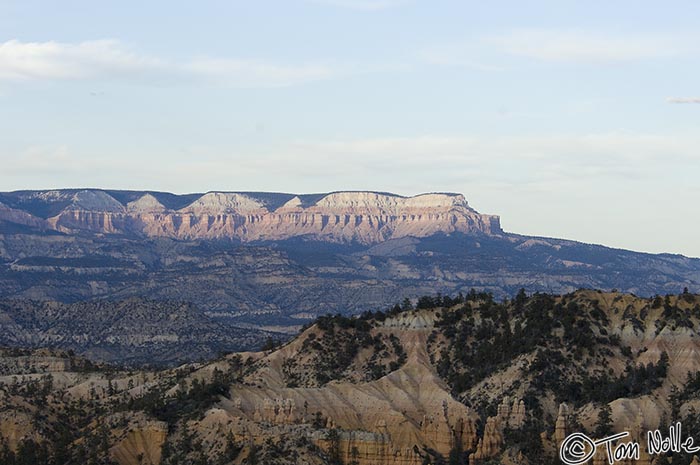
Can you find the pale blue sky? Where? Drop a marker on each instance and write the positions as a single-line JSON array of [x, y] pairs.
[[574, 119]]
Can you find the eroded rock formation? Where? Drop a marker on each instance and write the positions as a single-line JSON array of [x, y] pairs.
[[364, 217]]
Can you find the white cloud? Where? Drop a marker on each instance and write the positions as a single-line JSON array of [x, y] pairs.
[[683, 100], [585, 46], [110, 59]]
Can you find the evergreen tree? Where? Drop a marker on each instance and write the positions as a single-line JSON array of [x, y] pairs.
[[604, 424], [334, 454], [269, 344]]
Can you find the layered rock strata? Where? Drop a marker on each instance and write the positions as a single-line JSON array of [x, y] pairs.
[[364, 217]]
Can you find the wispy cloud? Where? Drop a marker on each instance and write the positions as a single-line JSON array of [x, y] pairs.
[[112, 60], [683, 100], [367, 5], [602, 149], [546, 163], [432, 162], [55, 60], [585, 46], [490, 52], [257, 73], [462, 56]]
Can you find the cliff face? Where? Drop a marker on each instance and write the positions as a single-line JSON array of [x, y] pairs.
[[364, 217]]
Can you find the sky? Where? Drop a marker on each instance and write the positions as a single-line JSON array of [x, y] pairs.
[[571, 119]]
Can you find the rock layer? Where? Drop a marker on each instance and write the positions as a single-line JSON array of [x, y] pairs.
[[364, 217]]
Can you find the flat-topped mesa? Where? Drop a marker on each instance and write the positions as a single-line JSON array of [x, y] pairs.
[[370, 217], [364, 217], [372, 202]]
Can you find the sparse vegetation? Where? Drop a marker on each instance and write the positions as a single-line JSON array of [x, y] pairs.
[[539, 348]]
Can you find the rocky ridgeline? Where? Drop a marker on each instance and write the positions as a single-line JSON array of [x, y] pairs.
[[473, 381], [409, 415], [363, 217], [399, 419]]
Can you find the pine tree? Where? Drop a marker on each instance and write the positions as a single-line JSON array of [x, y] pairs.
[[604, 425], [334, 455]]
